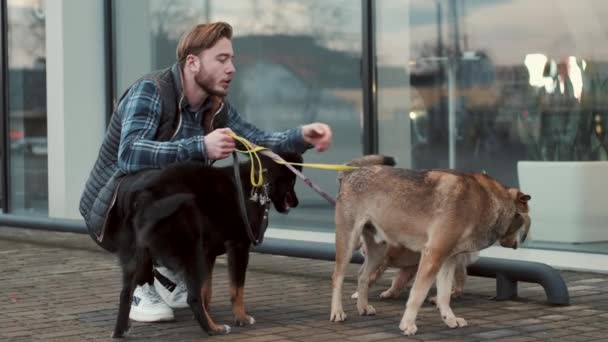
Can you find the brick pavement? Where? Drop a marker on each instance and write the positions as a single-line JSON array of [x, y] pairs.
[[62, 287]]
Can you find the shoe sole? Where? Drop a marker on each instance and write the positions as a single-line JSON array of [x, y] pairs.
[[147, 318], [178, 306]]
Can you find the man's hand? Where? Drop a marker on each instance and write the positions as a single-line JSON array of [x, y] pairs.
[[219, 144], [318, 135]]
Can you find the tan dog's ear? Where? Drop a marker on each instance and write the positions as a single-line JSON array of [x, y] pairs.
[[521, 200]]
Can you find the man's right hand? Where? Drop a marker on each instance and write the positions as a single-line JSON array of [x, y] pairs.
[[219, 144]]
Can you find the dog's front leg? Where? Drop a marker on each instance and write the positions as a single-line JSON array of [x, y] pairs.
[[136, 270], [399, 282], [373, 277], [460, 278], [345, 241], [206, 290], [373, 261], [196, 274], [430, 263], [444, 292], [238, 259], [124, 306]]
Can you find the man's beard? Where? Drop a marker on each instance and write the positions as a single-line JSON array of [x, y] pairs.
[[206, 83]]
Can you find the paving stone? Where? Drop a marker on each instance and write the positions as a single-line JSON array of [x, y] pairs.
[[62, 287], [495, 334]]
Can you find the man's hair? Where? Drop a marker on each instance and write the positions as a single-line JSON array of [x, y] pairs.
[[201, 37]]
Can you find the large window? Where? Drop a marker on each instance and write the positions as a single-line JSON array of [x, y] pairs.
[[27, 107], [297, 62], [494, 83], [527, 83]]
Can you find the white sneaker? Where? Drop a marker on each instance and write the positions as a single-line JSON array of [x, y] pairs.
[[147, 306], [171, 288]]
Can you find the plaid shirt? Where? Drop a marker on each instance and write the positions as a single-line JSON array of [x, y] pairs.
[[141, 112]]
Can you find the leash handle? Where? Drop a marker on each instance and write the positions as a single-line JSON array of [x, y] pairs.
[[253, 149]]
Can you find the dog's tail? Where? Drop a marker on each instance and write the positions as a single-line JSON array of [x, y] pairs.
[[150, 214], [368, 160], [373, 159]]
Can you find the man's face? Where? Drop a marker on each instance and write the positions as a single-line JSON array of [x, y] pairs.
[[216, 69]]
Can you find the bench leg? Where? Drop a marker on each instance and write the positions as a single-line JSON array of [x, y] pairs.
[[506, 288]]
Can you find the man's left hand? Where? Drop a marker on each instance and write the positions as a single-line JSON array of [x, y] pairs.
[[318, 135]]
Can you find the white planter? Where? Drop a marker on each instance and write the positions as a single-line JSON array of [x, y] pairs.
[[569, 200]]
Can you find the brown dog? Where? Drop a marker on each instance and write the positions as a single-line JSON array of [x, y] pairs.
[[438, 213], [407, 263]]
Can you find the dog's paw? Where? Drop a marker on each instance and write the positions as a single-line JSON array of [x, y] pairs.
[[455, 322], [366, 311], [457, 294], [355, 295], [243, 321], [337, 316], [220, 330], [408, 328], [117, 333], [389, 294]]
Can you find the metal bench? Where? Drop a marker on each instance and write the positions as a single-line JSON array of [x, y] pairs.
[[506, 272]]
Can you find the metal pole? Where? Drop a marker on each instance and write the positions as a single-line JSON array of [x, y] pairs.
[[369, 79], [451, 64], [208, 10], [5, 143], [439, 29], [109, 57], [453, 8]]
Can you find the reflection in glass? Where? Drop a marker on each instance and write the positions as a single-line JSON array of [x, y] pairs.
[[531, 92], [394, 100], [27, 105], [296, 61], [529, 84]]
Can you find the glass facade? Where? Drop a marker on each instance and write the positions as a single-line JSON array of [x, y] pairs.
[[27, 107], [459, 84], [473, 85]]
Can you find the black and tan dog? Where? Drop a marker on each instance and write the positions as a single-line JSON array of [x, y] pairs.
[[186, 215], [407, 263], [437, 213]]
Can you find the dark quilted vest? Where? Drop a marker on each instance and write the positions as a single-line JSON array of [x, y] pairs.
[[105, 178]]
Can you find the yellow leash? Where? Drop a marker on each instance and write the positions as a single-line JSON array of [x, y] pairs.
[[252, 150]]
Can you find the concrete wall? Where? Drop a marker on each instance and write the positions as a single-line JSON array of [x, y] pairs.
[[75, 93]]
